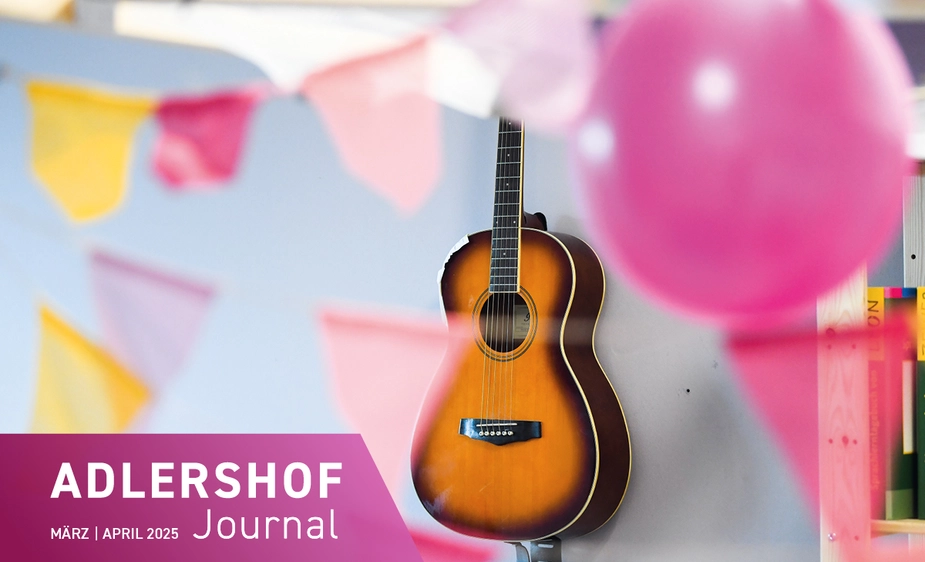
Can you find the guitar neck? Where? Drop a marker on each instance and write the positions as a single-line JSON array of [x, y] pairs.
[[504, 276]]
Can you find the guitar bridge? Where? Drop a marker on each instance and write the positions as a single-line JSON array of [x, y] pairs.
[[499, 432]]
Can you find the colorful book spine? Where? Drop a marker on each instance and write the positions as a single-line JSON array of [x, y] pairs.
[[920, 399], [876, 358], [898, 388]]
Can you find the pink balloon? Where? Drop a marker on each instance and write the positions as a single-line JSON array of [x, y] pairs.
[[739, 158]]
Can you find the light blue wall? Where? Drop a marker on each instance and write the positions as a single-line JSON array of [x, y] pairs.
[[294, 230]]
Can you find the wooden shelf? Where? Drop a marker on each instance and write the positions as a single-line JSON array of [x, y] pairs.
[[906, 526]]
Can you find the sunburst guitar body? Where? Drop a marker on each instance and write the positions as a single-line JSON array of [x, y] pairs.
[[528, 439]]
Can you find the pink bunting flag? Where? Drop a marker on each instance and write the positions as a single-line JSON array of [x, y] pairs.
[[201, 137], [458, 548], [150, 319], [383, 122], [381, 366], [543, 51], [779, 375]]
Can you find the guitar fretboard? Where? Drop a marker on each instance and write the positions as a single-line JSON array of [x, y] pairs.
[[505, 229]]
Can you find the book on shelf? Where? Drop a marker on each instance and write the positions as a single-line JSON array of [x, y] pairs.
[[898, 406], [878, 454], [920, 400]]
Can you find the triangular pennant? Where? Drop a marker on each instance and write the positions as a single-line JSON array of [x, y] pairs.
[[543, 50], [288, 42], [381, 367], [81, 145], [458, 548], [384, 124], [201, 137], [779, 375], [150, 319], [81, 388]]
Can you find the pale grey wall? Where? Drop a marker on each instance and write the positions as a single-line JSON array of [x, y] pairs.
[[295, 230]]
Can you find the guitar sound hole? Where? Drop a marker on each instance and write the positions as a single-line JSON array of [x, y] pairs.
[[504, 321]]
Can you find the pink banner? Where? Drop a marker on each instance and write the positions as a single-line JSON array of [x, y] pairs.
[[201, 137], [235, 498], [845, 434], [381, 367], [444, 547], [385, 125], [778, 377], [543, 50], [150, 318]]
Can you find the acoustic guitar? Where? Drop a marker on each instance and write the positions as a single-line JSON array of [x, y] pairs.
[[529, 440]]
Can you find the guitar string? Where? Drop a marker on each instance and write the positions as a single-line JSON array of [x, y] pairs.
[[517, 165], [509, 297], [486, 335], [512, 158], [500, 323], [500, 269], [511, 238], [502, 242], [495, 258], [490, 319]]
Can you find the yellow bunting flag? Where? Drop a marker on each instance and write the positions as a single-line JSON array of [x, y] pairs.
[[81, 145], [81, 388]]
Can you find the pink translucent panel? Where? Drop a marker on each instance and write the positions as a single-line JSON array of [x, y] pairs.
[[457, 548], [812, 392], [384, 124], [150, 319], [381, 367], [201, 137], [543, 51], [778, 376]]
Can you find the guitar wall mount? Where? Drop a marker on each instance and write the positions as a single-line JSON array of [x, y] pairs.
[[546, 550]]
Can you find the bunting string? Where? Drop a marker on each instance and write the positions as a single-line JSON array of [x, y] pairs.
[[379, 102]]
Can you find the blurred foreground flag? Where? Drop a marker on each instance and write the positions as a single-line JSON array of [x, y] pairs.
[[150, 318], [81, 388], [383, 122], [778, 376], [201, 137], [457, 548], [381, 367], [81, 145], [542, 50], [820, 398]]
